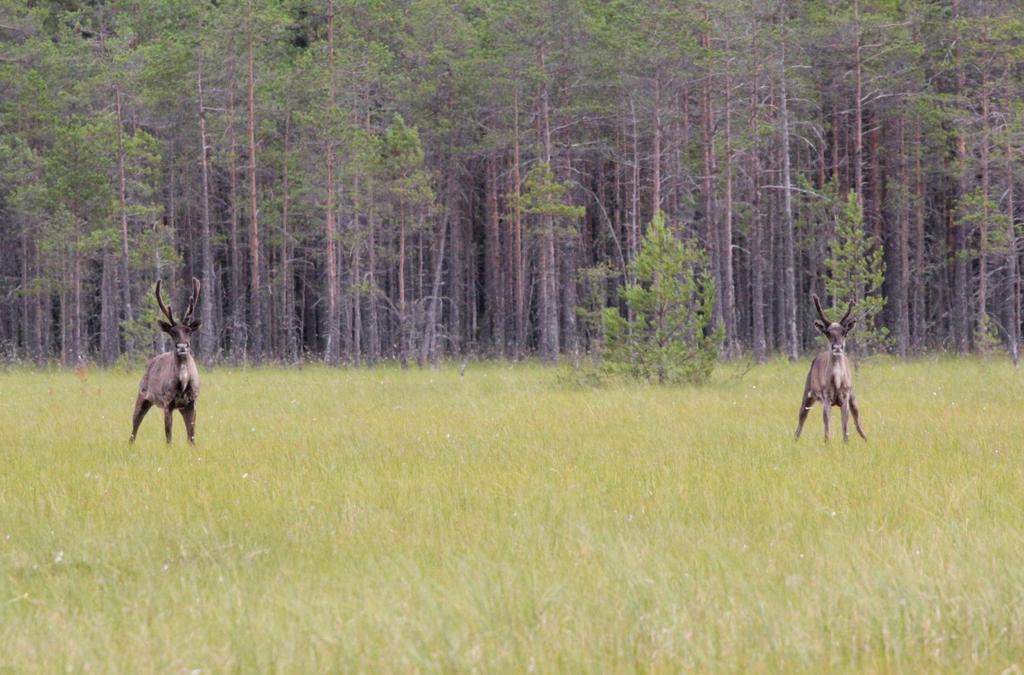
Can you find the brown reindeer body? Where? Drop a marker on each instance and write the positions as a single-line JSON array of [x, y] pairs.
[[171, 380], [830, 380]]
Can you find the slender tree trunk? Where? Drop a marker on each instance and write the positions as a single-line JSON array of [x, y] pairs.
[[858, 123], [492, 260], [756, 223], [255, 301], [333, 346], [567, 273], [403, 318], [634, 201], [208, 332], [108, 310], [792, 348], [656, 150], [917, 280], [1012, 297], [76, 354], [707, 136], [732, 345], [519, 264], [291, 347], [374, 350], [549, 338], [238, 302], [981, 322], [26, 296], [902, 246], [430, 323], [960, 270], [126, 286]]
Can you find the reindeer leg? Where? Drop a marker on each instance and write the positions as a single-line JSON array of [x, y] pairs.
[[142, 407], [189, 414], [826, 417], [168, 420], [856, 416], [845, 406], [805, 407]]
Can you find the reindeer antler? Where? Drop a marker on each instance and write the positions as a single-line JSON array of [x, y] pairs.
[[166, 309], [849, 309], [817, 306], [192, 300]]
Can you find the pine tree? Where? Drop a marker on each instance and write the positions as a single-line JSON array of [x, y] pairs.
[[669, 338], [856, 268]]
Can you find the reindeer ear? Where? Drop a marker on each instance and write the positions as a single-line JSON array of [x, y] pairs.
[[848, 326], [820, 325], [194, 325], [165, 327]]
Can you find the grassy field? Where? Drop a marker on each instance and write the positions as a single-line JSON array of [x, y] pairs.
[[382, 521]]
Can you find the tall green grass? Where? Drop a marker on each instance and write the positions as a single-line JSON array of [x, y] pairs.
[[382, 521]]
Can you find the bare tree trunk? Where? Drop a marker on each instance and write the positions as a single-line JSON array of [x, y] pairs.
[[108, 311], [917, 295], [656, 150], [1011, 301], [208, 332], [373, 353], [255, 302], [403, 314], [76, 354], [567, 272], [25, 284], [549, 342], [982, 317], [711, 237], [126, 287], [634, 201], [430, 323], [732, 345], [858, 123], [902, 246], [492, 261], [333, 346], [519, 262], [756, 223], [65, 314], [792, 347], [960, 271], [237, 301], [291, 347]]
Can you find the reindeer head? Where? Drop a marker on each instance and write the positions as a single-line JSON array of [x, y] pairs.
[[180, 332], [836, 332]]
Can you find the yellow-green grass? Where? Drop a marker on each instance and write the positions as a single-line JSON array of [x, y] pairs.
[[389, 521]]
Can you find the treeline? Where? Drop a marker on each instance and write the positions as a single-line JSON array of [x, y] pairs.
[[408, 179]]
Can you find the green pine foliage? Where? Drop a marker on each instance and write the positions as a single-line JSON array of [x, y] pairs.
[[667, 336], [856, 268], [544, 195]]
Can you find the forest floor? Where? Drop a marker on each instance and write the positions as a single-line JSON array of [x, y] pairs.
[[382, 521]]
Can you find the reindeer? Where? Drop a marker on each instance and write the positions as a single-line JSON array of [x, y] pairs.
[[829, 380], [171, 381]]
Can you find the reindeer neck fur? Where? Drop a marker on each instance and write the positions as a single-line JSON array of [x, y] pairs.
[[839, 369], [184, 364]]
